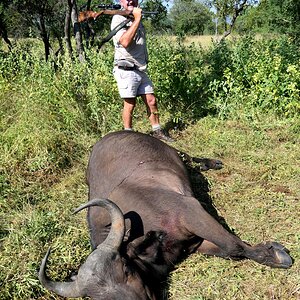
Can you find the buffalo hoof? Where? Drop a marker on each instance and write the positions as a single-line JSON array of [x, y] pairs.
[[207, 163], [281, 256]]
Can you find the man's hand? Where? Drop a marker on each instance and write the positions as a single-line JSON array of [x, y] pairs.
[[137, 13], [127, 37]]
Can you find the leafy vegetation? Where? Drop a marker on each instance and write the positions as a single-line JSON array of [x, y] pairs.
[[258, 74], [191, 17], [237, 101], [272, 16], [51, 20]]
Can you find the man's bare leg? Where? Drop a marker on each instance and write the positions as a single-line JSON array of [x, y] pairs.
[[129, 105]]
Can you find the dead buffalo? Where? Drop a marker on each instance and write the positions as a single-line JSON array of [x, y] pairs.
[[153, 222]]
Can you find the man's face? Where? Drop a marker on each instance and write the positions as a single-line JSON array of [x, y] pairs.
[[129, 4]]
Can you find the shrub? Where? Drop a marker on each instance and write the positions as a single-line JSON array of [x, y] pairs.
[[179, 75], [263, 75]]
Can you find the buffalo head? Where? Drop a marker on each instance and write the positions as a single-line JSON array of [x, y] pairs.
[[105, 273]]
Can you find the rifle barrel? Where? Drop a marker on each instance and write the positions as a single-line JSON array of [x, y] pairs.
[[149, 12], [92, 15]]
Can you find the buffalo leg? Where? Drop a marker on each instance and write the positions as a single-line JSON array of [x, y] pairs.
[[210, 248], [204, 163], [272, 254], [218, 241]]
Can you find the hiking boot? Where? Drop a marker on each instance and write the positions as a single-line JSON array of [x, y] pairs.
[[161, 135]]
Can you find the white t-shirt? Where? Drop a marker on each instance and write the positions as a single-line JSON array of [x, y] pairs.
[[136, 52]]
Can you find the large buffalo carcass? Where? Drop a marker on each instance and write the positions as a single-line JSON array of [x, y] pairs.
[[143, 219]]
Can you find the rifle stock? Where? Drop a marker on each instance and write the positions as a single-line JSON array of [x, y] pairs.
[[92, 15]]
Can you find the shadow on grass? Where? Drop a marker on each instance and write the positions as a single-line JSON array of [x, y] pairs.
[[201, 189]]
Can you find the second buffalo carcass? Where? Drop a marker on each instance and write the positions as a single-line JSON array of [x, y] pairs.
[[151, 221]]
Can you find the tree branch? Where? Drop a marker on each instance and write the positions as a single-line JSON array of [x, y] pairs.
[[237, 11]]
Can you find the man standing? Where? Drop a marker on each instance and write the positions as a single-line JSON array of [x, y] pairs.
[[130, 68]]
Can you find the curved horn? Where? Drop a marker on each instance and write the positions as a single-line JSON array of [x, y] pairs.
[[117, 231], [64, 289], [113, 241]]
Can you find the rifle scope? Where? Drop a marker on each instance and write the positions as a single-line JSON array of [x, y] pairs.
[[109, 6]]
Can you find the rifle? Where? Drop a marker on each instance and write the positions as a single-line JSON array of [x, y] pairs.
[[108, 9]]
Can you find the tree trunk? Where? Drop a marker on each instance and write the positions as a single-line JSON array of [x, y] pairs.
[[77, 32], [67, 29], [45, 36], [3, 33], [90, 33], [60, 43]]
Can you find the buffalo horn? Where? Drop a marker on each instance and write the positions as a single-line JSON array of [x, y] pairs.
[[64, 289], [113, 242], [117, 231]]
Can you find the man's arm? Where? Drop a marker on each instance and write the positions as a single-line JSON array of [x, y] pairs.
[[127, 37]]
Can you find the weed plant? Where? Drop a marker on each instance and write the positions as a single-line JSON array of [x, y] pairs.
[[240, 103]]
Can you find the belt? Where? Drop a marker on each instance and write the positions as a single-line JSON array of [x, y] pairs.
[[126, 68]]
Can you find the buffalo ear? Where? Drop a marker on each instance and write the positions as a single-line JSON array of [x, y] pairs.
[[153, 239], [148, 254], [149, 249]]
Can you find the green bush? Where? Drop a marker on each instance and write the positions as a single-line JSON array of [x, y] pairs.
[[179, 75], [263, 75]]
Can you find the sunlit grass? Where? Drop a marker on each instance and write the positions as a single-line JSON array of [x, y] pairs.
[[48, 124], [257, 192]]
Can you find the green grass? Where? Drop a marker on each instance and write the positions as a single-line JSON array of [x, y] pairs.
[[257, 192], [50, 120]]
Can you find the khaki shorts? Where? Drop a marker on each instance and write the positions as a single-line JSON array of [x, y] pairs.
[[132, 83]]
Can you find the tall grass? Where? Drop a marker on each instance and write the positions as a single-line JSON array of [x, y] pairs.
[[52, 113]]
